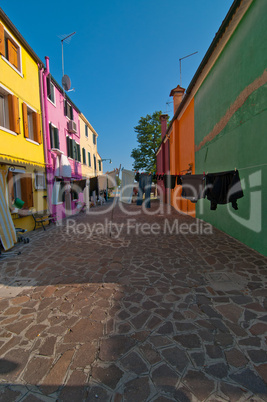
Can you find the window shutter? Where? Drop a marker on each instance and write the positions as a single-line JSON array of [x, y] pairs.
[[10, 185], [51, 136], [26, 191], [84, 156], [79, 152], [25, 120], [65, 108], [89, 159], [12, 53], [48, 85], [13, 107], [37, 128], [56, 138], [68, 146], [71, 113], [2, 40], [73, 149]]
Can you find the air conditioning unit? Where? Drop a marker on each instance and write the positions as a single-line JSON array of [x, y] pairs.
[[72, 126]]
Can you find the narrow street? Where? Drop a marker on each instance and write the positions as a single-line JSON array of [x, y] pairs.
[[125, 306]]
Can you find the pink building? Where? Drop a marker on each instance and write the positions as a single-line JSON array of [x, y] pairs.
[[62, 146]]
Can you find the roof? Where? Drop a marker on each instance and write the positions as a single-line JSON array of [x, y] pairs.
[[15, 31]]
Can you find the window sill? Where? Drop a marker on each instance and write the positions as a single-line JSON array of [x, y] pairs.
[[31, 141], [52, 103], [8, 131], [14, 68]]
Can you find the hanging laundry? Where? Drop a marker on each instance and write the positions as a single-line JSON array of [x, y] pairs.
[[7, 228], [112, 178], [137, 176], [169, 181], [193, 186], [93, 185], [145, 182], [222, 188], [102, 182], [81, 184], [127, 185]]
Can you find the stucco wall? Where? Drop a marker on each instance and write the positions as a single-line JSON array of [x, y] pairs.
[[230, 128]]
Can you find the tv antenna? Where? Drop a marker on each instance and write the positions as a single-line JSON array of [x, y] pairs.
[[180, 61], [65, 78]]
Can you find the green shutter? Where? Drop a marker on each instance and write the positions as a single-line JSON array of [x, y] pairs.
[[56, 138], [84, 156], [79, 152], [68, 145], [51, 135], [89, 159]]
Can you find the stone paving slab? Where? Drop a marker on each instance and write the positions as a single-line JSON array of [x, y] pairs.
[[101, 309]]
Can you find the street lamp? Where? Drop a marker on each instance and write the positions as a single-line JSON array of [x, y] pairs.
[[106, 160]]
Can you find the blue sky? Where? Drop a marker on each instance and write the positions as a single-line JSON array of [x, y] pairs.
[[123, 60]]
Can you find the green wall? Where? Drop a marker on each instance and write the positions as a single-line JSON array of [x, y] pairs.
[[242, 143]]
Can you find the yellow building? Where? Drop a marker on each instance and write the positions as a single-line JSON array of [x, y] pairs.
[[22, 161], [89, 155]]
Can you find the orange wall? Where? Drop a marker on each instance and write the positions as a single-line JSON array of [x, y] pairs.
[[182, 153]]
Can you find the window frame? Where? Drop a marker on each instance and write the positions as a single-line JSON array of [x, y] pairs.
[[39, 186], [51, 90], [12, 103], [68, 108], [5, 57], [51, 125], [31, 124]]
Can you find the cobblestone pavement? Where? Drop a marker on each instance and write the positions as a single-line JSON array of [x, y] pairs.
[[139, 316]]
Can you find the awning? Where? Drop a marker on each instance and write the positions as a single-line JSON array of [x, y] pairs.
[[62, 167], [7, 228]]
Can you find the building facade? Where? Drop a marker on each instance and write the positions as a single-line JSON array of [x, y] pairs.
[[219, 124], [88, 140], [230, 121], [22, 161], [62, 146]]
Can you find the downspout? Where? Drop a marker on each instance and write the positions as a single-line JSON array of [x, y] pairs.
[[43, 76]]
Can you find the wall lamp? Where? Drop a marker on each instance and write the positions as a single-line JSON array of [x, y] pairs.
[[102, 160]]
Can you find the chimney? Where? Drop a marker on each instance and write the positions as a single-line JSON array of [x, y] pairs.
[[177, 94], [163, 121], [47, 64]]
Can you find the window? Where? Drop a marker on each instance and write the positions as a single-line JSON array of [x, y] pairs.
[[95, 162], [68, 110], [73, 149], [89, 159], [9, 111], [94, 138], [86, 130], [10, 49], [99, 165], [40, 181], [31, 124], [50, 90], [84, 156], [4, 113], [54, 139], [20, 186]]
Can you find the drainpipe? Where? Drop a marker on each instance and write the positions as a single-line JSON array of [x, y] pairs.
[[49, 164]]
